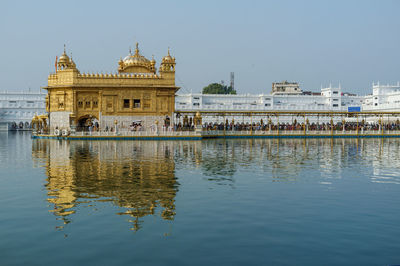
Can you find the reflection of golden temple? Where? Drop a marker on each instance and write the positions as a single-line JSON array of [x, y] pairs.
[[136, 92], [138, 177]]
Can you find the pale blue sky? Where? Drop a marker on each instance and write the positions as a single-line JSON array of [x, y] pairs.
[[312, 42]]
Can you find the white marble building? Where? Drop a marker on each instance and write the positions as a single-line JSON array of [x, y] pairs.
[[384, 98], [330, 99], [17, 108]]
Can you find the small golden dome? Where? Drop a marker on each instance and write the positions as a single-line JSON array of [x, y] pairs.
[[64, 57], [167, 58]]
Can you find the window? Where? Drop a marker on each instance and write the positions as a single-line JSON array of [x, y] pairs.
[[196, 98], [136, 103], [95, 104], [80, 104], [335, 100], [335, 105], [376, 104], [267, 99], [196, 104], [126, 103], [267, 104], [335, 92], [87, 104], [61, 105]]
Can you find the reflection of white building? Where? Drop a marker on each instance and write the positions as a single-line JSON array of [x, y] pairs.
[[18, 108]]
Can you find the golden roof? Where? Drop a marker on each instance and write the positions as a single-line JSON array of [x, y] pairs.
[[136, 58], [65, 61], [63, 58], [168, 58], [137, 63]]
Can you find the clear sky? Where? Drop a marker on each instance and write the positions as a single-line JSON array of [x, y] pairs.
[[312, 42]]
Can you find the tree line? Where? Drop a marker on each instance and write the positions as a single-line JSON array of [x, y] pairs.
[[216, 88]]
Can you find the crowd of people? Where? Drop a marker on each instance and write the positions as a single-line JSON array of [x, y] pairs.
[[189, 125], [325, 126]]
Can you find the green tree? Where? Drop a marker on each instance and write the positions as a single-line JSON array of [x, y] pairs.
[[216, 88]]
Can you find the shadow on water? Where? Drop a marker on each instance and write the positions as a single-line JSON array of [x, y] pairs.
[[140, 177]]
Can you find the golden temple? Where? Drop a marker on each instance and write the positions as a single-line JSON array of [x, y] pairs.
[[136, 93]]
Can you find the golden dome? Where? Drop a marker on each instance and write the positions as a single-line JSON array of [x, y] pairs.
[[168, 58], [136, 63], [137, 58], [168, 63], [63, 58], [134, 59], [65, 62]]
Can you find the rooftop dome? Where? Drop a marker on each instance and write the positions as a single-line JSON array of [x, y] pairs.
[[168, 58], [63, 58], [136, 63], [65, 62]]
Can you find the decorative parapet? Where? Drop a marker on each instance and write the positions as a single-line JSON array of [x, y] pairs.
[[135, 75], [134, 70], [98, 79]]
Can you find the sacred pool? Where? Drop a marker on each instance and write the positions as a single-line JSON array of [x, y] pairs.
[[215, 201]]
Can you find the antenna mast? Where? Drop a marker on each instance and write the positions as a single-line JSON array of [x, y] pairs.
[[232, 80]]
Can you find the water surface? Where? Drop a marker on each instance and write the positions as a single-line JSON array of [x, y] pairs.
[[214, 202]]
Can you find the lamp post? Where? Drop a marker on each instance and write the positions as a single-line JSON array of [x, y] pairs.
[[306, 126], [116, 126], [343, 125]]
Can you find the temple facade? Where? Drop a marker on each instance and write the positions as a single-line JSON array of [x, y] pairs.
[[135, 93]]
